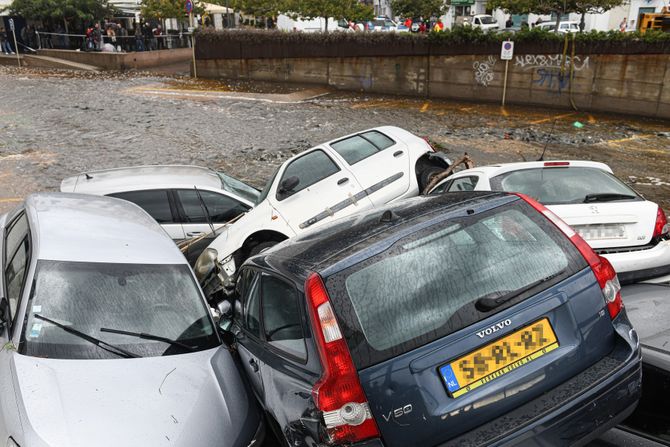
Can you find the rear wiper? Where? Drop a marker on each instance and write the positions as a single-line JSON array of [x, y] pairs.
[[494, 299], [606, 197], [89, 338], [150, 337]]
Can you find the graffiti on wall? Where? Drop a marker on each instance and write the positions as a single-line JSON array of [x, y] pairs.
[[535, 61], [484, 70], [552, 79]]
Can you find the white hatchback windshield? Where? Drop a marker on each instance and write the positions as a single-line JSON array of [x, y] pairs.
[[137, 309], [565, 185]]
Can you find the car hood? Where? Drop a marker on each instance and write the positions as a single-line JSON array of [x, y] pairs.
[[195, 399]]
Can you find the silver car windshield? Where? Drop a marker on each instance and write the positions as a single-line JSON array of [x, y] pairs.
[[235, 186], [157, 308]]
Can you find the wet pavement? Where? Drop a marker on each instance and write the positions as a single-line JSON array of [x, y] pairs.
[[54, 124], [57, 123]]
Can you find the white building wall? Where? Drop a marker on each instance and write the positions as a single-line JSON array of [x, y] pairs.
[[286, 23]]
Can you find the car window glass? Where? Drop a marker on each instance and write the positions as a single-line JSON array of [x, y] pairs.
[[15, 274], [380, 140], [354, 149], [221, 208], [464, 184], [154, 202], [241, 288], [441, 188], [100, 299], [560, 185], [310, 169], [252, 309], [15, 234], [281, 316]]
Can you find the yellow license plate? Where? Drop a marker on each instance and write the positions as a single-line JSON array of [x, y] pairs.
[[498, 358]]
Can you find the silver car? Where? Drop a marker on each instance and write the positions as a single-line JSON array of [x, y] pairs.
[[106, 338]]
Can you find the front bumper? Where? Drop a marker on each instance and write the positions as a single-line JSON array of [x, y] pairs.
[[641, 265]]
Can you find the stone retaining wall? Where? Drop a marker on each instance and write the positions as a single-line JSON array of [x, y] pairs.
[[636, 84], [122, 61]]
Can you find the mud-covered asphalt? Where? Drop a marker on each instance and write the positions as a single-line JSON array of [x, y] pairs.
[[57, 123]]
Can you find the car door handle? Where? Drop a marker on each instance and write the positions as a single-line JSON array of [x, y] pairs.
[[254, 365], [397, 153], [343, 180], [194, 233]]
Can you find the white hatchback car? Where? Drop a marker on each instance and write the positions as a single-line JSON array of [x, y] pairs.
[[185, 200], [332, 180], [631, 232]]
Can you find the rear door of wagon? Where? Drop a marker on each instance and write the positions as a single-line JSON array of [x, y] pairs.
[[461, 321]]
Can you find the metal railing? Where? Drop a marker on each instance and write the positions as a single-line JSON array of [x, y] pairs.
[[62, 41]]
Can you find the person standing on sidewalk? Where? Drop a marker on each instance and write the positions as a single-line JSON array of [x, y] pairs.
[[4, 42], [97, 36], [139, 37]]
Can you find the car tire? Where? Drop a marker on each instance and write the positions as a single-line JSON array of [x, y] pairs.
[[261, 246], [426, 175]]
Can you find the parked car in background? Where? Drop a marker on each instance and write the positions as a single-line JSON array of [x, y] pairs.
[[631, 232], [383, 24], [563, 27], [428, 323], [106, 338], [334, 179], [648, 306], [190, 202], [485, 22]]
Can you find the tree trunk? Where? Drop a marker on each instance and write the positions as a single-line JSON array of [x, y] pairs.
[[326, 18], [558, 20], [582, 23]]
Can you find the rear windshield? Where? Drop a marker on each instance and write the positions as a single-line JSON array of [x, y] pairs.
[[427, 285], [555, 186]]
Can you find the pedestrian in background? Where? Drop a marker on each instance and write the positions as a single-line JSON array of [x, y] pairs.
[[97, 36], [622, 25], [123, 37], [4, 42], [139, 37]]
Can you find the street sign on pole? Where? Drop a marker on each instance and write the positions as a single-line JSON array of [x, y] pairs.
[[507, 50], [16, 45], [189, 6], [506, 53]]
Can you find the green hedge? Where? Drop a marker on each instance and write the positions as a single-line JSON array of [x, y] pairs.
[[250, 44]]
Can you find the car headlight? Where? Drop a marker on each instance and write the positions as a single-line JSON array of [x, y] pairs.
[[205, 263], [228, 265], [12, 443]]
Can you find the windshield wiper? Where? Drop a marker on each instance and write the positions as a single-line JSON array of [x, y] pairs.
[[492, 300], [606, 197], [89, 338], [150, 337]]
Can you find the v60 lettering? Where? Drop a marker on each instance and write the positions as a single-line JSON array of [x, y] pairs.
[[398, 412]]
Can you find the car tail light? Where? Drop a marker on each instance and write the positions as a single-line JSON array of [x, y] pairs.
[[661, 227], [602, 269], [338, 393], [429, 143], [556, 163]]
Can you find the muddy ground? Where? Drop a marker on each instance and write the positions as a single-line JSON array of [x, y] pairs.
[[57, 123]]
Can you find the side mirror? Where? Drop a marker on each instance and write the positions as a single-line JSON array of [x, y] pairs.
[[288, 184]]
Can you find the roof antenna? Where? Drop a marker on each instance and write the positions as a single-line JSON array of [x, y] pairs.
[[88, 176], [551, 133], [388, 216]]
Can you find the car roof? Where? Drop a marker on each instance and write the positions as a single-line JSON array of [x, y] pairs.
[[86, 228], [332, 247], [497, 169], [141, 177]]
